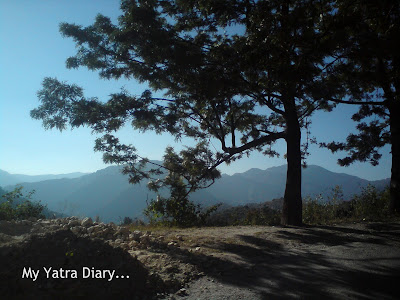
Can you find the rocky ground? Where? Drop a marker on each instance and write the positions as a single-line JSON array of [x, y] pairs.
[[356, 261]]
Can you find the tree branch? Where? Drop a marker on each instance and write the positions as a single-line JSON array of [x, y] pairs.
[[358, 102], [255, 143]]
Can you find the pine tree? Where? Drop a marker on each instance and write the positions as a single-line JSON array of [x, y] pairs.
[[239, 73], [367, 65]]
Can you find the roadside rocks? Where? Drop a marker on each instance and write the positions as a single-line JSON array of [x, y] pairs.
[[115, 235], [86, 222], [165, 260]]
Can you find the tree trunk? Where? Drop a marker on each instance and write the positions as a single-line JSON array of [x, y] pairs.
[[292, 203], [394, 110]]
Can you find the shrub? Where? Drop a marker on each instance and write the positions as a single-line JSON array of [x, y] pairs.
[[127, 221], [175, 211], [134, 222], [18, 207], [370, 204], [251, 214], [263, 216], [320, 211]]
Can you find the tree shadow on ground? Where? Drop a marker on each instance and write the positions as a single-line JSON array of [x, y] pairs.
[[273, 270], [385, 229], [330, 236]]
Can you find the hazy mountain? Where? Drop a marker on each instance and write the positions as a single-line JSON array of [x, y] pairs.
[[11, 179], [256, 185], [108, 194]]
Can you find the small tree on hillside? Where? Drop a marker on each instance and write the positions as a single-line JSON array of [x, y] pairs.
[[242, 74], [15, 205]]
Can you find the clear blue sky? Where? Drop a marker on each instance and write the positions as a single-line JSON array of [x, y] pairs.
[[32, 48]]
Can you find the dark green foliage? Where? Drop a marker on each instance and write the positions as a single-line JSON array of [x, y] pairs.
[[370, 205], [174, 212], [2, 192], [127, 221], [322, 211], [177, 210], [252, 214], [134, 222], [16, 206]]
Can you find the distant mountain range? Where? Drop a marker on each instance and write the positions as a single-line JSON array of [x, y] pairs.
[[11, 179], [256, 185], [108, 194]]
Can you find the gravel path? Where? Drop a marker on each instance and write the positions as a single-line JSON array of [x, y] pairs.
[[353, 261]]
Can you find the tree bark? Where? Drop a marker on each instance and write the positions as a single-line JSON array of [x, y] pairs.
[[292, 203], [394, 110]]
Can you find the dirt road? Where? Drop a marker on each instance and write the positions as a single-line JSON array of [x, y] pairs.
[[353, 261]]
